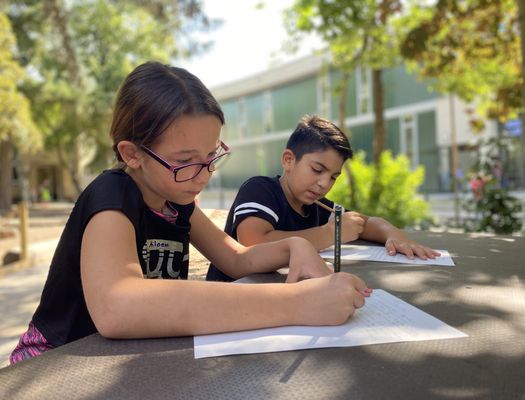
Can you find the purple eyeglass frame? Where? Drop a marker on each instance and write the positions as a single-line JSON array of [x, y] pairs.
[[176, 169]]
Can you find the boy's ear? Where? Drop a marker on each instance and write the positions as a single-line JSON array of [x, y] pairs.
[[130, 153], [287, 159]]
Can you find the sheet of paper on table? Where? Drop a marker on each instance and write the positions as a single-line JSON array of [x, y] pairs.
[[384, 319], [353, 252]]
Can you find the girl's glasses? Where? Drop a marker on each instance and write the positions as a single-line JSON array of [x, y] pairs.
[[189, 171]]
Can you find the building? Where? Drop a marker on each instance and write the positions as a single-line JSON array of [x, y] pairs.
[[262, 110]]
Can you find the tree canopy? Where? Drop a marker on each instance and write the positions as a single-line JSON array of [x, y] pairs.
[[76, 54], [16, 123], [470, 48]]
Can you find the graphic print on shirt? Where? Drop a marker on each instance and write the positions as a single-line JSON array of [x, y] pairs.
[[165, 255]]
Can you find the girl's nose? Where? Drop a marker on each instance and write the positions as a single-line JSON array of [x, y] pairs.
[[203, 176]]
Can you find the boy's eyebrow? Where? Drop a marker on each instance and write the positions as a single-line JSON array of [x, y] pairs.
[[325, 167], [320, 164]]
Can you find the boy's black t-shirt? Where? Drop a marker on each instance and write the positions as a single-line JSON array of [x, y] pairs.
[[263, 197], [162, 250]]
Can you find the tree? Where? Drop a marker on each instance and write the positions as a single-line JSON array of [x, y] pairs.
[[17, 130], [358, 33], [472, 49], [79, 52]]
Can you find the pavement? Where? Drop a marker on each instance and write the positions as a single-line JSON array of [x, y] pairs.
[[21, 283]]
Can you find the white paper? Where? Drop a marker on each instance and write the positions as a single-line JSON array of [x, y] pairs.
[[351, 252], [384, 319]]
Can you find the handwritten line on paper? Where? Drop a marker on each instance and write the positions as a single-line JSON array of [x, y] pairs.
[[351, 252], [384, 319]]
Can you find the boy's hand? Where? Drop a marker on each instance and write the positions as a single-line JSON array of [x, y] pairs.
[[330, 300], [305, 262], [410, 248], [352, 224]]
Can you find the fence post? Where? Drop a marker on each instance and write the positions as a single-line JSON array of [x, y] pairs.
[[24, 230]]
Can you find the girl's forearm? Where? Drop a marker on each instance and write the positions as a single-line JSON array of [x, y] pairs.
[[194, 307]]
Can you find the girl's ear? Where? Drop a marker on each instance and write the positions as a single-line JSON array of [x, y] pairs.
[[130, 153], [287, 159]]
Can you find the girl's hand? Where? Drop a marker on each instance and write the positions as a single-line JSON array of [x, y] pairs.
[[330, 300], [305, 262], [409, 248]]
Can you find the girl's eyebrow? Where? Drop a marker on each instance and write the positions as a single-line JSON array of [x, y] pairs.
[[184, 152], [191, 152]]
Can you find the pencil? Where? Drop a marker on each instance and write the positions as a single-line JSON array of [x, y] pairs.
[[322, 205], [337, 247]]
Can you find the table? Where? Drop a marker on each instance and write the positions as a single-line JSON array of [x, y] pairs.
[[483, 296]]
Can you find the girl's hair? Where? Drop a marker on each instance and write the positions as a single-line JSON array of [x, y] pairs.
[[314, 134], [151, 97]]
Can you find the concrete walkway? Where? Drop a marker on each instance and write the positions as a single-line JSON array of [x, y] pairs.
[[19, 296], [21, 283]]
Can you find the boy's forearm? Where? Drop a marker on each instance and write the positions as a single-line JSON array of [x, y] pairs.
[[320, 236], [379, 230], [262, 257]]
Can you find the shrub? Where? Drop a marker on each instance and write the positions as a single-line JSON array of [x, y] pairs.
[[396, 198]]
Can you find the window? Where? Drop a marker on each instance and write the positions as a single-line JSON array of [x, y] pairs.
[[243, 125], [409, 139], [363, 90], [324, 95], [267, 112]]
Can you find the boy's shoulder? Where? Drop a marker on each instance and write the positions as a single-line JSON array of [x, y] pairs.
[[264, 189], [261, 181]]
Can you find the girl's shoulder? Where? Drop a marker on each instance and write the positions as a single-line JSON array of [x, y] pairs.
[[112, 189], [111, 182]]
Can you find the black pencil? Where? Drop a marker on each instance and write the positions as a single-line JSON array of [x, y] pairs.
[[337, 246]]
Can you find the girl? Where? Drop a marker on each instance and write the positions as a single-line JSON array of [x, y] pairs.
[[135, 222]]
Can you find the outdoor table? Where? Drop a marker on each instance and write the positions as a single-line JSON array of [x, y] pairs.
[[483, 296]]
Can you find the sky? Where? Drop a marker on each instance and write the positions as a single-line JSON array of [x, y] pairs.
[[246, 43]]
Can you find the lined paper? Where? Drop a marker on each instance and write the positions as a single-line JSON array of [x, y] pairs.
[[351, 252], [383, 319]]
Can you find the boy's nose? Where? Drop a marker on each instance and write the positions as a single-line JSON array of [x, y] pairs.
[[323, 181]]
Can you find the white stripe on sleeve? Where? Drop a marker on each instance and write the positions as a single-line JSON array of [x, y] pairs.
[[253, 207]]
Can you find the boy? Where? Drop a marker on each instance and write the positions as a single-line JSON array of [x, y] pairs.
[[268, 209]]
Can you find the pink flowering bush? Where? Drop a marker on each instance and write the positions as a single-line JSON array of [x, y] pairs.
[[492, 207]]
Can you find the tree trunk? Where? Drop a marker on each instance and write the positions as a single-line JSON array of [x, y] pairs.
[[59, 16], [75, 164], [6, 176], [343, 87], [379, 137], [521, 6], [379, 124]]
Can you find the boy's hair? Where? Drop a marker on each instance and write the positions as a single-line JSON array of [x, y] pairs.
[[315, 134], [151, 97]]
